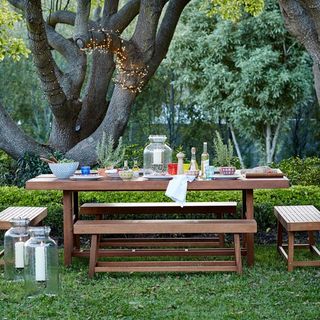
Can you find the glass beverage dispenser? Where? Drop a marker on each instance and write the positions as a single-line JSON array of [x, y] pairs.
[[156, 156]]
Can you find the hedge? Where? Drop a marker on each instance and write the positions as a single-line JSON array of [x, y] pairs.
[[264, 200]]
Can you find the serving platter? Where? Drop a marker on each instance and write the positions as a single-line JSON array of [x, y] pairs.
[[154, 177], [89, 177], [226, 176]]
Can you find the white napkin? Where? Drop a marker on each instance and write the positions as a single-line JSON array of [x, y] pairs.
[[177, 188]]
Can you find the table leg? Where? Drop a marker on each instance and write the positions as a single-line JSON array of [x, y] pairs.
[[67, 226], [76, 238], [250, 237]]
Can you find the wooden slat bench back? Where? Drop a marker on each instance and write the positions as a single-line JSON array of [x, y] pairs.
[[34, 214]]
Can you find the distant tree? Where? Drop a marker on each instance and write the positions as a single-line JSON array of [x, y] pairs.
[[251, 73]]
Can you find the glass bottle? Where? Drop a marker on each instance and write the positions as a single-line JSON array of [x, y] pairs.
[[204, 160], [180, 157], [126, 166], [135, 169], [41, 263], [193, 161], [14, 255], [156, 156]]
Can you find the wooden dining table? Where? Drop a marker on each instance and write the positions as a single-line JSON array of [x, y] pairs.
[[72, 188]]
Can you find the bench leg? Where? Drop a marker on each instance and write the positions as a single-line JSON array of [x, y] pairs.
[[279, 235], [290, 250], [311, 239], [220, 235], [237, 251], [93, 254]]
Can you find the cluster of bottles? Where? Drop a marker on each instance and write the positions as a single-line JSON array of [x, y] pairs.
[[135, 169], [204, 161]]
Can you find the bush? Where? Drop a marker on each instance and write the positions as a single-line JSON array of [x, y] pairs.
[[301, 171], [265, 200]]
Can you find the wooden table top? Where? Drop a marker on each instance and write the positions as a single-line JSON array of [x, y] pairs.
[[50, 182]]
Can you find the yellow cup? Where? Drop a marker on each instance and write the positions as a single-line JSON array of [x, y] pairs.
[[186, 167]]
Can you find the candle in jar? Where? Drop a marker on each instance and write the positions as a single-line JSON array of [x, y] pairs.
[[19, 254], [40, 261], [157, 156]]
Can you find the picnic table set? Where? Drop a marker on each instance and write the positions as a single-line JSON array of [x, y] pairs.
[[35, 255]]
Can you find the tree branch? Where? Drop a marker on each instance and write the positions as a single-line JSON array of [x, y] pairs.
[[299, 24], [120, 20], [313, 9], [110, 8], [43, 58], [165, 33], [71, 80], [82, 19], [14, 141], [20, 4], [146, 28]]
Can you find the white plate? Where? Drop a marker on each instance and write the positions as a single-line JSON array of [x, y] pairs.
[[86, 177], [226, 176], [78, 172], [152, 177]]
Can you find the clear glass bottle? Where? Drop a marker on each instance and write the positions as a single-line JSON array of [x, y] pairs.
[[126, 166], [156, 156], [14, 255], [135, 169], [193, 162], [41, 263], [204, 160]]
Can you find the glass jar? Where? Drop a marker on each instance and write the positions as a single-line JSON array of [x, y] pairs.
[[41, 263], [156, 156], [14, 257]]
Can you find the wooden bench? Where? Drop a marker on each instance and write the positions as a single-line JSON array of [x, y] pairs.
[[34, 214], [95, 228], [295, 219], [217, 208]]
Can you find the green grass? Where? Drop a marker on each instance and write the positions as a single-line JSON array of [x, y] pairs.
[[266, 291]]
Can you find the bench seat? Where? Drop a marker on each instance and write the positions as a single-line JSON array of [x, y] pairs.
[[95, 228], [296, 219], [105, 209]]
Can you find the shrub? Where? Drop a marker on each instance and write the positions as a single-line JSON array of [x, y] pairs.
[[301, 171], [264, 201]]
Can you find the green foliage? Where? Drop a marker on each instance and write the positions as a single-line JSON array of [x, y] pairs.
[[235, 9], [10, 45], [7, 169], [29, 166], [134, 152], [301, 171], [108, 156], [264, 201], [250, 74], [223, 152]]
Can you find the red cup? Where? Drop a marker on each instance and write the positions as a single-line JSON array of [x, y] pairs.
[[172, 168]]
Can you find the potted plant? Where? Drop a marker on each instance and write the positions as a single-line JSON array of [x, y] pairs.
[[108, 156], [223, 155]]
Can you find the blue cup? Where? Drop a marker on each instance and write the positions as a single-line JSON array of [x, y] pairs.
[[85, 170], [210, 172]]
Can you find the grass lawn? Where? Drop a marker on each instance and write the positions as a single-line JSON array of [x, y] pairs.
[[266, 291]]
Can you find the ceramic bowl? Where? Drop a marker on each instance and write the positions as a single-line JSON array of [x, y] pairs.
[[63, 170], [227, 170], [126, 175]]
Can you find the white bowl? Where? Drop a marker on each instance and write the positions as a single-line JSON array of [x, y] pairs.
[[64, 170]]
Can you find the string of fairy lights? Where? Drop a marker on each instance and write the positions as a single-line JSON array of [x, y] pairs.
[[132, 78]]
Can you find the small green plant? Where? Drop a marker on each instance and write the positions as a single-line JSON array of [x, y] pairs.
[[108, 156], [223, 152]]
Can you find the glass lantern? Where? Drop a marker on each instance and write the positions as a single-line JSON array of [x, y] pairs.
[[41, 263], [14, 257], [156, 156]]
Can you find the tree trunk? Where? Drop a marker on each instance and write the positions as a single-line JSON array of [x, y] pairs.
[[236, 145], [79, 121]]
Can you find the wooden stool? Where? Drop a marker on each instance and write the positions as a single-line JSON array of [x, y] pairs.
[[34, 214], [297, 218]]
